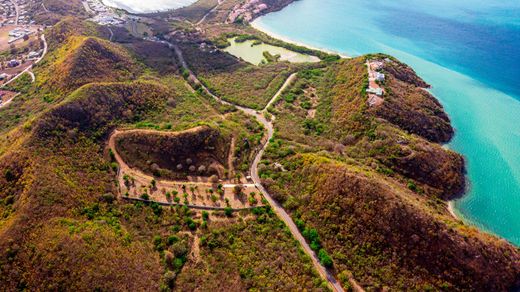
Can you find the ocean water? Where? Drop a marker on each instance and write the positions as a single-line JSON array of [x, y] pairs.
[[469, 51], [140, 6]]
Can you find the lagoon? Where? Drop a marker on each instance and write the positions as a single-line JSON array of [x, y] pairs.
[[469, 51], [251, 52]]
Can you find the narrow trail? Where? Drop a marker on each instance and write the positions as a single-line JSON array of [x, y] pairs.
[[33, 78], [282, 214], [111, 34], [45, 7], [209, 12]]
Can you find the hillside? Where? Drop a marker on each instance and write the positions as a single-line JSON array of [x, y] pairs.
[[85, 60], [64, 224], [386, 235], [128, 163], [372, 191]]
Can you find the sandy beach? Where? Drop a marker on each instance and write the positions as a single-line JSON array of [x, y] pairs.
[[451, 209], [255, 25]]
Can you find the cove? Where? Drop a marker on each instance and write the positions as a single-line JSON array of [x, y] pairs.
[[469, 51]]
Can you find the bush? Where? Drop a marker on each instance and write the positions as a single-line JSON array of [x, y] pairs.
[[172, 239], [325, 259], [157, 242], [228, 211], [289, 98]]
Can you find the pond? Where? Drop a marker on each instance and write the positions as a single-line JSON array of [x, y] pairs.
[[252, 52]]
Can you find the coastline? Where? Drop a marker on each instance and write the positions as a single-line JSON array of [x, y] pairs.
[[451, 209], [254, 24]]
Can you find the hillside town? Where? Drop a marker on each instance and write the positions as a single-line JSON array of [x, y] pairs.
[[102, 14]]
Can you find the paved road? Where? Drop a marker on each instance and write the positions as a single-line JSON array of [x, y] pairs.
[[17, 10], [45, 48], [111, 34], [332, 282], [26, 70], [87, 8]]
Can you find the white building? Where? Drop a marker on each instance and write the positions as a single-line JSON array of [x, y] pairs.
[[376, 91], [380, 77]]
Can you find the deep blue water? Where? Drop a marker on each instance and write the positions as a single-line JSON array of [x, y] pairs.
[[469, 51]]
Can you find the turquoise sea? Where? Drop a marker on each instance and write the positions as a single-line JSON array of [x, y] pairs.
[[469, 51]]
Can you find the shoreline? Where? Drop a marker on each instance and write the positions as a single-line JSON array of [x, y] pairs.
[[254, 24], [451, 209], [451, 203]]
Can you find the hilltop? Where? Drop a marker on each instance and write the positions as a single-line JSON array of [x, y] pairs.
[[83, 60]]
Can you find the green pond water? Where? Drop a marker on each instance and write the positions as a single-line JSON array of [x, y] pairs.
[[254, 54]]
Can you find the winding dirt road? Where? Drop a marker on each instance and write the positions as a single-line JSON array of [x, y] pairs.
[[282, 214]]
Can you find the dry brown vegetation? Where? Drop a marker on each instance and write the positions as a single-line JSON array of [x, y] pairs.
[[237, 81], [387, 236], [85, 60], [201, 151], [372, 191], [62, 225]]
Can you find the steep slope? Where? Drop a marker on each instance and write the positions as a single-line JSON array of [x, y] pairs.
[[65, 172], [83, 60], [370, 199], [170, 155], [408, 105], [388, 236]]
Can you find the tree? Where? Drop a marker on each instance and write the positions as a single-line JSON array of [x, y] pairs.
[[228, 211], [238, 190]]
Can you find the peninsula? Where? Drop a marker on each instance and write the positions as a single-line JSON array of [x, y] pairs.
[[138, 152]]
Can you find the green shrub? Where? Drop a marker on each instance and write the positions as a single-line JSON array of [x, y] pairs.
[[325, 259]]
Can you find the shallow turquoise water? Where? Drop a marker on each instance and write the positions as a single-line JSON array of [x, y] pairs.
[[469, 51]]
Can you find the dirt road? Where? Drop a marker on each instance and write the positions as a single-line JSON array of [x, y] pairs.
[[332, 282]]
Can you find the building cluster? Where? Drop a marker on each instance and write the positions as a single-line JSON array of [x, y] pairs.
[[19, 33], [375, 78], [247, 11], [24, 17], [7, 12], [103, 15], [15, 12]]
